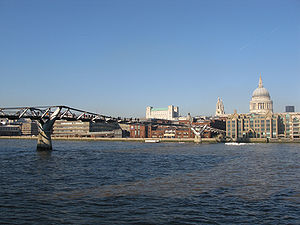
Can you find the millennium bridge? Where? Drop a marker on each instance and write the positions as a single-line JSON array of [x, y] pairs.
[[47, 115]]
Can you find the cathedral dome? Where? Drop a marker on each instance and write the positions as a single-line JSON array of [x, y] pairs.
[[260, 92], [261, 101]]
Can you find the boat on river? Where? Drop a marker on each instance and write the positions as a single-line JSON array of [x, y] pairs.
[[152, 141], [238, 143], [234, 143]]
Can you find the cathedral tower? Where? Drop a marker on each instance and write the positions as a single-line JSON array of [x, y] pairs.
[[220, 108]]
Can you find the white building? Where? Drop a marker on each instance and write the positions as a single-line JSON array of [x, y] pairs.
[[261, 102], [220, 108], [170, 113]]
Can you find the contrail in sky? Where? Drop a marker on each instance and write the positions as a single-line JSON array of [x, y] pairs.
[[259, 38]]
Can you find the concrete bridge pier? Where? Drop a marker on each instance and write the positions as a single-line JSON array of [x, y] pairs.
[[44, 142], [197, 139], [198, 134]]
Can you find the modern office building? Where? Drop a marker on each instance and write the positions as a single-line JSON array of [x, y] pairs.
[[29, 128], [10, 130], [278, 125], [294, 123], [64, 128], [261, 102], [169, 113], [244, 126], [18, 127], [289, 125], [290, 108]]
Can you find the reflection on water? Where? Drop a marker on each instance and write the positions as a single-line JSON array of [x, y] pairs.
[[131, 183], [244, 181], [44, 155]]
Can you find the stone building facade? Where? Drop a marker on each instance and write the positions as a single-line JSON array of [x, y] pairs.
[[29, 128], [169, 113], [63, 128], [244, 126], [220, 108], [269, 125], [10, 130], [289, 125]]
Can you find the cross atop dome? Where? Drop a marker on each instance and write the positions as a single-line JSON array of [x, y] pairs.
[[260, 84]]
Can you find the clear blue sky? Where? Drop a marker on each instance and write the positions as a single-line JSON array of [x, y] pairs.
[[117, 57]]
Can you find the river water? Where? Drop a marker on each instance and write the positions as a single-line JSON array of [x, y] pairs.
[[147, 183]]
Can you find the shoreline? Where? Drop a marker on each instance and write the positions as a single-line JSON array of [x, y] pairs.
[[179, 140]]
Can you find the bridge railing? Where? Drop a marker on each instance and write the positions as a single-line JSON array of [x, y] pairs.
[[65, 113], [72, 114]]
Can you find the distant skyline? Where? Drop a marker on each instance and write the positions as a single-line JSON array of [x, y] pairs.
[[116, 57]]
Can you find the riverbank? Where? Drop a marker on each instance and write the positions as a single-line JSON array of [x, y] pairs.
[[183, 140], [204, 140]]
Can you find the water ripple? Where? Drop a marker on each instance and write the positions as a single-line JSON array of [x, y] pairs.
[[137, 183]]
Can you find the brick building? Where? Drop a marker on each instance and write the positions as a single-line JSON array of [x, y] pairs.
[[168, 129]]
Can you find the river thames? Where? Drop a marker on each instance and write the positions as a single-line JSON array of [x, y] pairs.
[[147, 183]]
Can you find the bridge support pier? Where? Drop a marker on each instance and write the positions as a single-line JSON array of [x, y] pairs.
[[197, 139], [44, 142]]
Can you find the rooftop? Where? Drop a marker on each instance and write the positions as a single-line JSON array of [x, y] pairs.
[[159, 109]]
